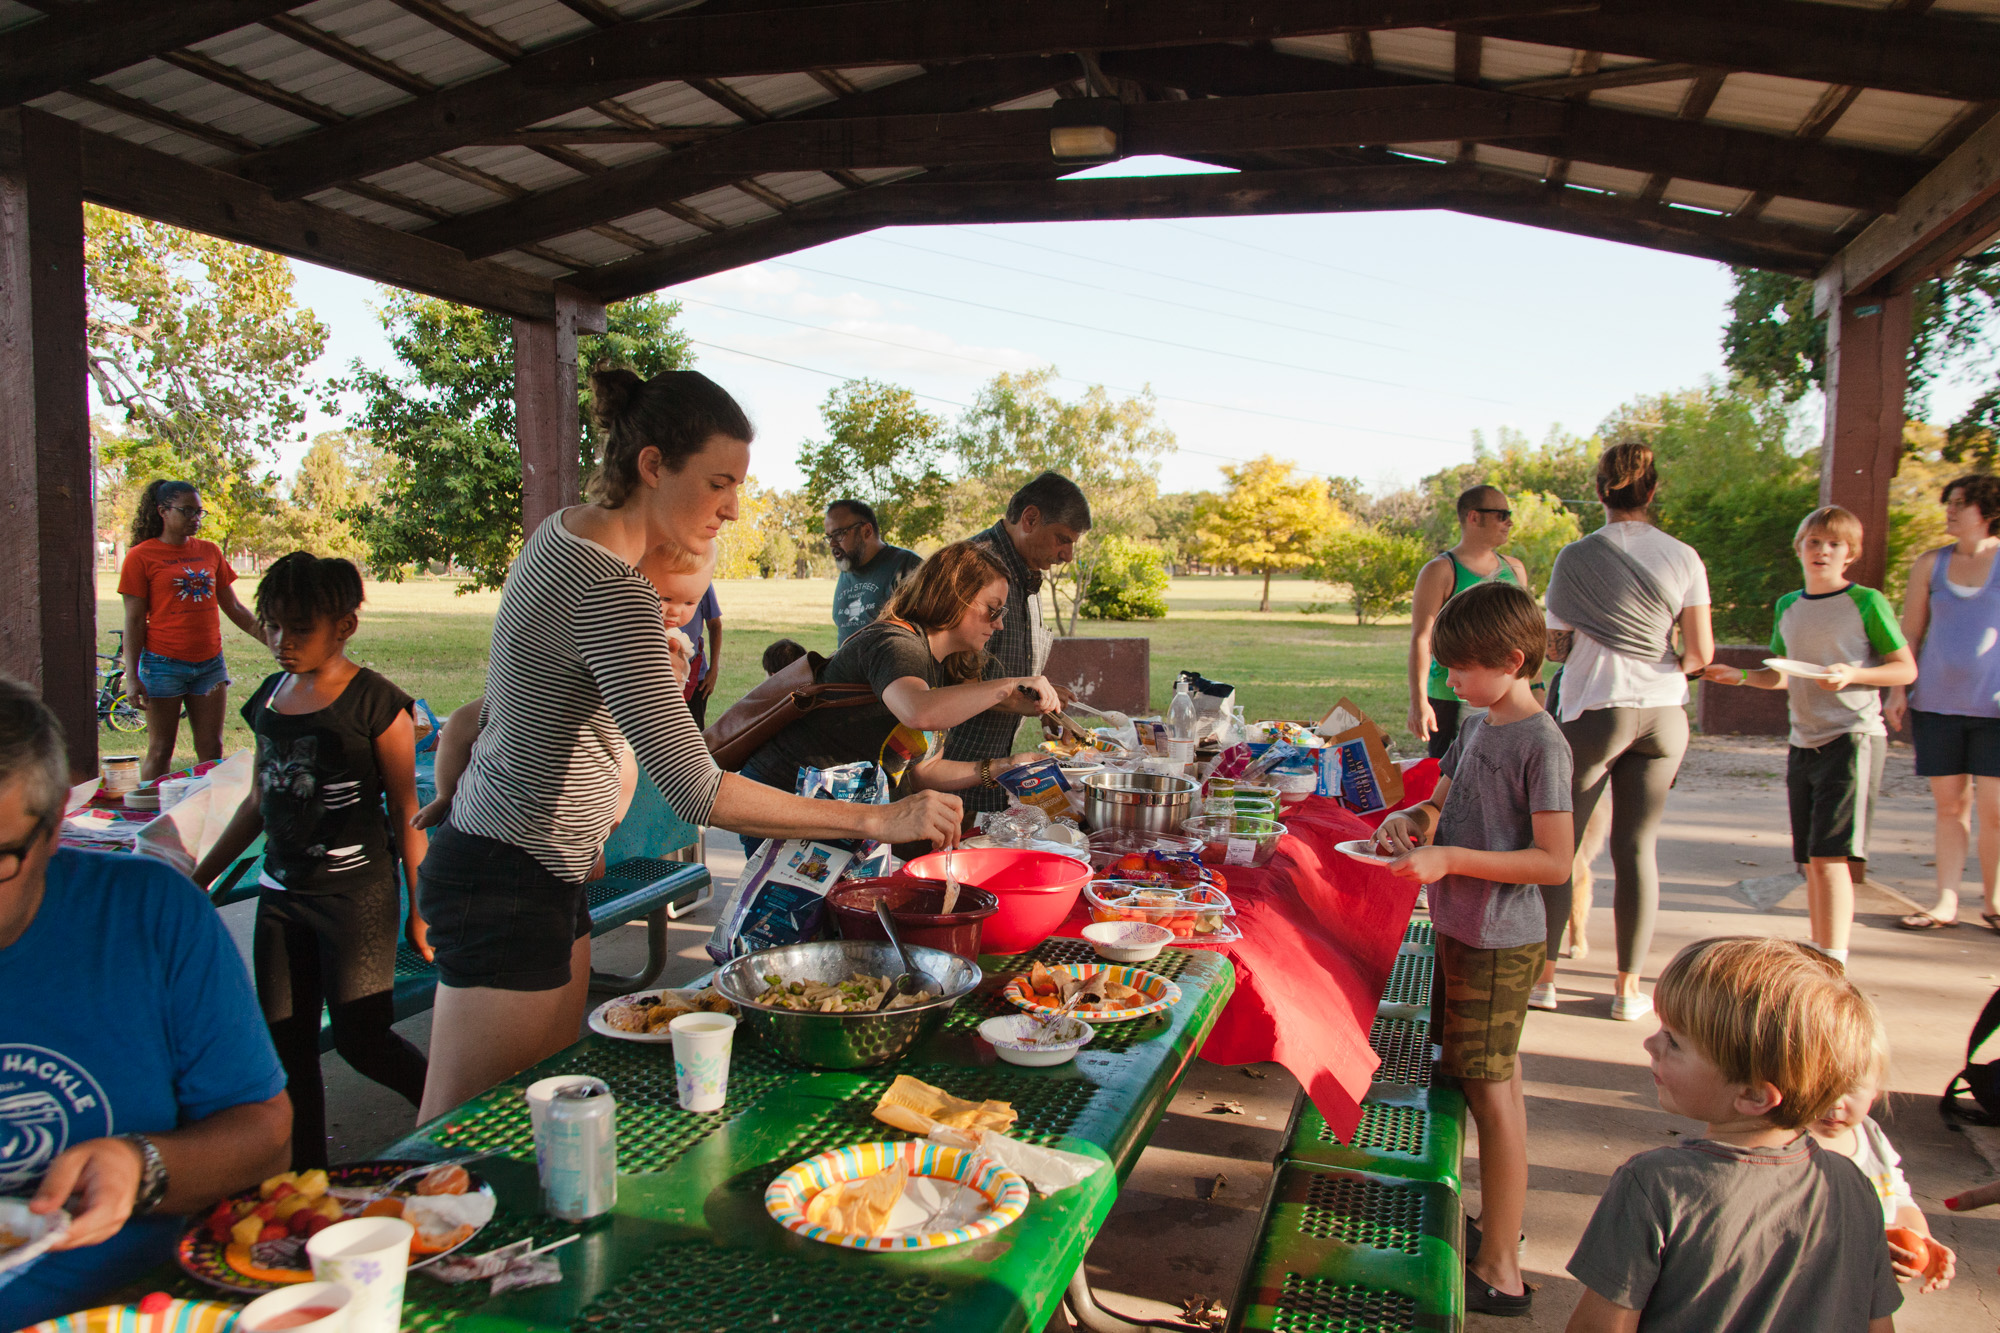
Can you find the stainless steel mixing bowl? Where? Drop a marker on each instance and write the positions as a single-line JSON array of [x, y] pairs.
[[843, 1041]]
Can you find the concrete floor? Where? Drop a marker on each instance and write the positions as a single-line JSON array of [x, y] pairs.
[[1175, 1233]]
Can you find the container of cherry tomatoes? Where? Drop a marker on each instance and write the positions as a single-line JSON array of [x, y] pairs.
[[1196, 914]]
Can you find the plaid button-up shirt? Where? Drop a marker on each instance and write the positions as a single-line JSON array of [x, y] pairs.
[[1018, 648]]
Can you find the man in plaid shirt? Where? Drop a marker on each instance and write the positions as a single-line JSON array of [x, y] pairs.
[[1045, 520]]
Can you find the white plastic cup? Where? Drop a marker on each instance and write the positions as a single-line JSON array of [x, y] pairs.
[[370, 1256], [701, 1059], [280, 1309]]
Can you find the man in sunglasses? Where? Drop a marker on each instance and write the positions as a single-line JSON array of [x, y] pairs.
[[869, 567], [1485, 522], [137, 1080]]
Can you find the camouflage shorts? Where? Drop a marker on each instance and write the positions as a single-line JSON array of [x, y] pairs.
[[1479, 1001]]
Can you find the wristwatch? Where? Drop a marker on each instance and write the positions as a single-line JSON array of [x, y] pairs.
[[986, 778], [152, 1174]]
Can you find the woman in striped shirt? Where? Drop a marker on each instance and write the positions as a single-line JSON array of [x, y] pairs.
[[580, 660]]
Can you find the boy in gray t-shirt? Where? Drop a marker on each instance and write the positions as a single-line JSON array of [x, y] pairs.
[[1497, 827], [1750, 1227]]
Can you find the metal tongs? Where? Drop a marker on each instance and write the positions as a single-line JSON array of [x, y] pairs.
[[1071, 727]]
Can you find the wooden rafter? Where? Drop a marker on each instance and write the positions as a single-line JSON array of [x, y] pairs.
[[1581, 81], [1695, 103], [305, 34], [88, 41], [559, 79]]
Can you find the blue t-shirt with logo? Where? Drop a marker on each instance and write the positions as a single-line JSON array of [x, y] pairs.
[[125, 1008]]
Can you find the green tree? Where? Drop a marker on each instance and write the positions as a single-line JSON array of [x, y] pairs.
[[1269, 519], [1017, 429], [337, 477], [1127, 582], [1543, 525], [1378, 567], [1177, 520], [200, 346], [883, 449], [452, 488]]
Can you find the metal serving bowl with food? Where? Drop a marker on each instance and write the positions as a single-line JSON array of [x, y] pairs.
[[844, 1040]]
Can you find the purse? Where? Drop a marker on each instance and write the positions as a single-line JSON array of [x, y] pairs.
[[777, 703], [1981, 1079]]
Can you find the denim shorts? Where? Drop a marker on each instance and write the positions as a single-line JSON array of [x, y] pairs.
[[170, 678], [497, 917]]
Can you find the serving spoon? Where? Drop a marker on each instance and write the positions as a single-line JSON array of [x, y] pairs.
[[907, 981]]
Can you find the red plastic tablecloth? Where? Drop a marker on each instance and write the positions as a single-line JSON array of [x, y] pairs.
[[1320, 935]]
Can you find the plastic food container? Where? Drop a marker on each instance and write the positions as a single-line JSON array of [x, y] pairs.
[[1107, 846], [1235, 840], [1199, 915], [917, 905], [1035, 889]]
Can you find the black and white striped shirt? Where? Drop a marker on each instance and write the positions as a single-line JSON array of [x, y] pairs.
[[579, 657]]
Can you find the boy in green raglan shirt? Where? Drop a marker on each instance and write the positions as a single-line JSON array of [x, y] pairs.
[[1838, 741]]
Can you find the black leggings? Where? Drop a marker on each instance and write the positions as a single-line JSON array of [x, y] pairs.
[[338, 950]]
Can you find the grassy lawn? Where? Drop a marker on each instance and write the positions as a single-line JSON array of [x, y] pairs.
[[1284, 663]]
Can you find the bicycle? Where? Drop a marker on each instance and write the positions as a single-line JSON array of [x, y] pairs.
[[114, 708]]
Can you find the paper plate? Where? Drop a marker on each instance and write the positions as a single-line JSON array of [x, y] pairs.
[[1362, 850], [228, 1266], [1161, 993], [1006, 1194], [604, 1029], [35, 1232], [1791, 666], [179, 1316]]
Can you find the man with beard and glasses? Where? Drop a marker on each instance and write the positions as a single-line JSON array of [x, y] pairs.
[[870, 568]]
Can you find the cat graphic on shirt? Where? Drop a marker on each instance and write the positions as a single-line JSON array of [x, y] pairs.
[[308, 801]]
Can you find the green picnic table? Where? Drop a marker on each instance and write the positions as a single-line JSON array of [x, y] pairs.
[[689, 1245]]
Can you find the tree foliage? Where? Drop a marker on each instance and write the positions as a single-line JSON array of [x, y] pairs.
[[337, 477], [452, 489], [1378, 566], [1269, 519], [1128, 581], [1018, 428], [883, 449]]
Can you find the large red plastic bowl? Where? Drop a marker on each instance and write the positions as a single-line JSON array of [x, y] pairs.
[[1036, 890]]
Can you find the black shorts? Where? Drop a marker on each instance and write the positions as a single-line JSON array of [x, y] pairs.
[[1952, 744], [1446, 712], [1832, 790], [497, 917]]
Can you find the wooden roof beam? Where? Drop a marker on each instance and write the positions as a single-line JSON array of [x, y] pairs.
[[1952, 209], [699, 44], [1837, 174], [1903, 51], [150, 184], [1288, 120], [1343, 189], [88, 41]]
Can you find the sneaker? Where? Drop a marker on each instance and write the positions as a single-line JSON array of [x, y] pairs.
[[1543, 996], [1630, 1008], [1481, 1297]]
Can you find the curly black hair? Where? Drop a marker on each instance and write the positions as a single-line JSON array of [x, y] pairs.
[[304, 587]]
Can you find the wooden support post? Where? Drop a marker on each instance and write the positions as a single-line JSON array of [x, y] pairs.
[[48, 601], [545, 409], [1868, 343]]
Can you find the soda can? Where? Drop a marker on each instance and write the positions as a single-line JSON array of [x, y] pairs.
[[578, 1152]]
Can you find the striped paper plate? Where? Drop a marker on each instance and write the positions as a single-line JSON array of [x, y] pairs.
[[1006, 1193], [1159, 992]]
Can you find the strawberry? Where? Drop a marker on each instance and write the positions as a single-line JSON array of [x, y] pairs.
[[275, 1231]]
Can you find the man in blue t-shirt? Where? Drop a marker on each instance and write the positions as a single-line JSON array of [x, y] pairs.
[[870, 568], [137, 1081]]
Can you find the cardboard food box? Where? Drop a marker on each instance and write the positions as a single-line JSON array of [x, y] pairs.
[[1356, 764]]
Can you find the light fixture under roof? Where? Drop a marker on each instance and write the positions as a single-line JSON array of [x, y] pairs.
[[1086, 129]]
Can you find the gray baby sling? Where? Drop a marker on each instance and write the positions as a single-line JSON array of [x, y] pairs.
[[1599, 589]]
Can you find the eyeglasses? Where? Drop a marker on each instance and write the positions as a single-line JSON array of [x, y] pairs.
[[995, 614], [1504, 515], [13, 858], [195, 511], [835, 534]]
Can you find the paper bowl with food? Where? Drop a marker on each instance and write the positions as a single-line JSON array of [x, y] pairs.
[[896, 1197], [1112, 993], [819, 1003], [26, 1236], [1024, 1039], [643, 1015]]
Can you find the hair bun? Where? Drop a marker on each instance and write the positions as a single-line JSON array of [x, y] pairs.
[[613, 392]]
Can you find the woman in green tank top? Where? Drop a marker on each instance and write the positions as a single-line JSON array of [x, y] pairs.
[[1485, 522]]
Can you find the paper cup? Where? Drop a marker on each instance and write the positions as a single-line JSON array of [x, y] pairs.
[[701, 1059], [370, 1256], [291, 1307]]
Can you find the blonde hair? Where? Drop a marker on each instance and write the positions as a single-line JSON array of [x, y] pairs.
[[666, 561], [1839, 524], [1776, 1012]]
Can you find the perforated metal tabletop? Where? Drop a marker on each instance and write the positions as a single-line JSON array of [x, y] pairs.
[[689, 1246]]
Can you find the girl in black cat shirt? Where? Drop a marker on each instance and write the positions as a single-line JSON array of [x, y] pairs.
[[334, 739]]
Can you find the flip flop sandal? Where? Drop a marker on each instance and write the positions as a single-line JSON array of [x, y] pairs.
[[1992, 920], [1925, 921]]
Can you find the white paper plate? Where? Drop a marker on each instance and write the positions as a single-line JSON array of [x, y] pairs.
[[1791, 666], [1362, 850], [41, 1231], [597, 1024]]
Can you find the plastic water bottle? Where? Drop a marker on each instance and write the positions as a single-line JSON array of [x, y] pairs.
[[1180, 714]]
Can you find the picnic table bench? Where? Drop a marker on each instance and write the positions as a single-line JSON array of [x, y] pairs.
[[653, 871]]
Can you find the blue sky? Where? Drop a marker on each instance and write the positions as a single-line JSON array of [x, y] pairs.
[[1370, 345]]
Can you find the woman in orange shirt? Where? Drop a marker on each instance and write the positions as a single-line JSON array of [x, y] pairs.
[[173, 585]]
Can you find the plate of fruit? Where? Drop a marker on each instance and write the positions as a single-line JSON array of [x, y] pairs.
[[255, 1242]]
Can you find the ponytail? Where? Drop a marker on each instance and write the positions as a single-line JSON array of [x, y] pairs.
[[147, 523], [1626, 477], [675, 412]]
